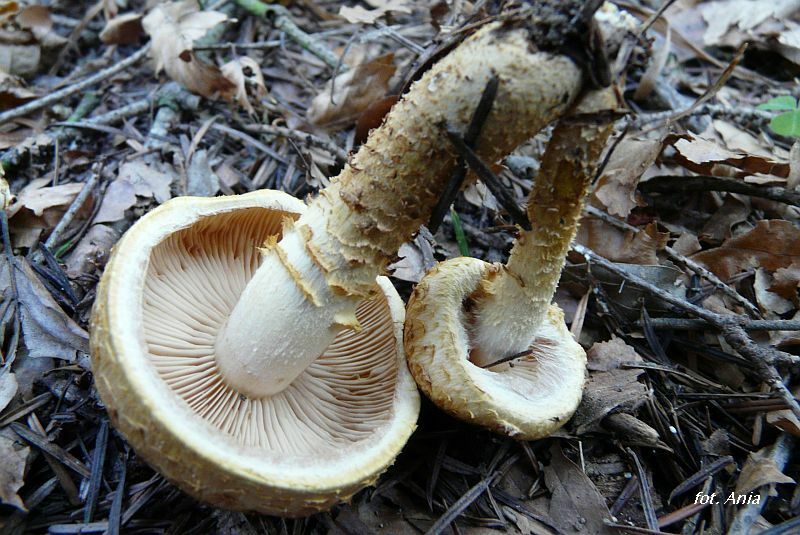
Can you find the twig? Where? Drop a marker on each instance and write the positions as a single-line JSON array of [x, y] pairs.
[[52, 98], [644, 492], [241, 136], [687, 324], [470, 138], [749, 513], [718, 283], [256, 45], [297, 135], [729, 326], [672, 184], [69, 215], [490, 179], [283, 22], [459, 505]]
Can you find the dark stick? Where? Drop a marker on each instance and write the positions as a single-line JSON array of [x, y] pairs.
[[673, 184], [490, 179], [470, 138]]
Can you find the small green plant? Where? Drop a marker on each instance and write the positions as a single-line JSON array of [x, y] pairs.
[[787, 123]]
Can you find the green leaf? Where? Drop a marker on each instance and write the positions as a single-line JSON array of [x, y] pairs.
[[461, 238], [786, 124], [785, 102]]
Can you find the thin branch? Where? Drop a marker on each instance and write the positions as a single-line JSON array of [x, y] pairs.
[[672, 184], [283, 21], [52, 98], [297, 135], [687, 324]]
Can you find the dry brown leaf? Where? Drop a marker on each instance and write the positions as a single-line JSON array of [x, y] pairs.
[[245, 72], [737, 139], [46, 330], [354, 91], [770, 303], [772, 244], [13, 92], [361, 15], [610, 355], [760, 470], [12, 469], [622, 246], [702, 156], [610, 387], [8, 387], [91, 253], [173, 28], [718, 228], [125, 29], [785, 420], [200, 178], [576, 505], [687, 244], [616, 188], [37, 20], [135, 178], [44, 200], [785, 282], [411, 266]]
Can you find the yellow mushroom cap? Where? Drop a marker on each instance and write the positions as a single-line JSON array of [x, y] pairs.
[[169, 287], [528, 400]]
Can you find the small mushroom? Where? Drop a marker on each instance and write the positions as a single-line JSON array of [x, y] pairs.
[[483, 341], [167, 292]]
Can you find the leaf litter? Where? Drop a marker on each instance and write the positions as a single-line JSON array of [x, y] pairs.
[[679, 400]]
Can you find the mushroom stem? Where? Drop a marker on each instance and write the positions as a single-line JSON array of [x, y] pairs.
[[511, 303], [327, 261]]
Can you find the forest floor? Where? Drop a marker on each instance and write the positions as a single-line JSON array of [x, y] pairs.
[[682, 285]]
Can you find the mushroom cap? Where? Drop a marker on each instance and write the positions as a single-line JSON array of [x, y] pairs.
[[528, 400], [170, 284]]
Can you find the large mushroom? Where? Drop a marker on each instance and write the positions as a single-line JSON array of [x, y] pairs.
[[281, 340], [167, 292], [483, 340]]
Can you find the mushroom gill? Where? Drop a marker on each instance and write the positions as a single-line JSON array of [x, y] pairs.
[[193, 282]]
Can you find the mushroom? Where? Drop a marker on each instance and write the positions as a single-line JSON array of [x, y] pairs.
[[300, 307], [483, 341], [167, 292]]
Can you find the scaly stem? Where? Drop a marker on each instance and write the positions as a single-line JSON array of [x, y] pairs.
[[513, 301], [328, 260]]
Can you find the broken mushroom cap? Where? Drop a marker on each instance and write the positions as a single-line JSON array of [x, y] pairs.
[[527, 399], [170, 286]]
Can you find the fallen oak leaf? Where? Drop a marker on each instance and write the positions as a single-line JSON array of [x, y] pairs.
[[38, 21], [173, 28], [771, 244], [701, 156], [354, 91], [616, 188], [760, 470], [245, 72]]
